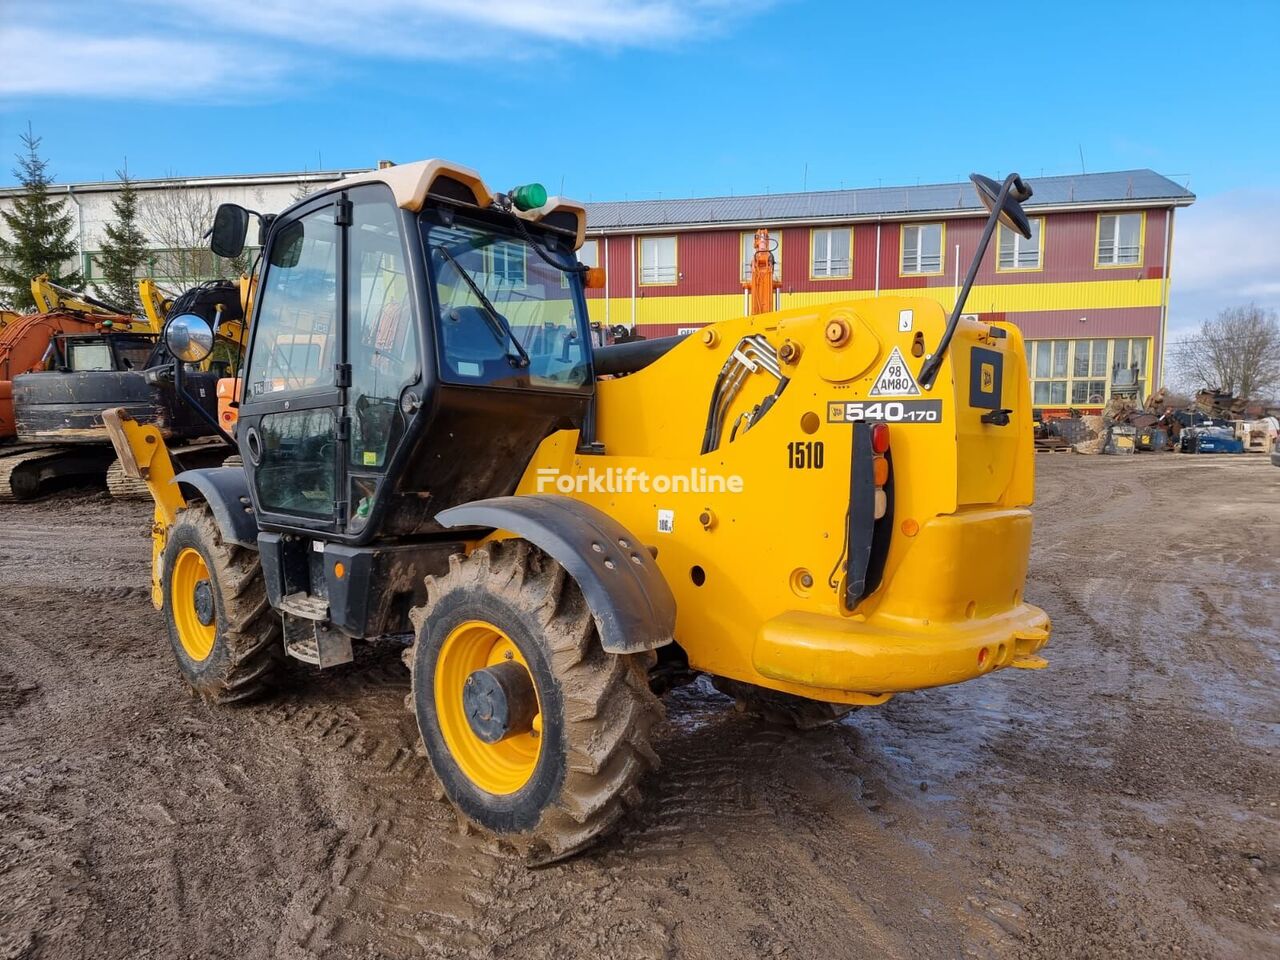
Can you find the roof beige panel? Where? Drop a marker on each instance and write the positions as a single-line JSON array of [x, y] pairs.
[[410, 183]]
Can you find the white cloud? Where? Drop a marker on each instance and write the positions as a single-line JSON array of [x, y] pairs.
[[446, 28], [174, 49], [40, 60], [1226, 252]]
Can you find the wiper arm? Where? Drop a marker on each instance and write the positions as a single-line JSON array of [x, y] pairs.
[[497, 322]]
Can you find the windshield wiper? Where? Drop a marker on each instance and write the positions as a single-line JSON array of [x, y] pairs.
[[497, 322]]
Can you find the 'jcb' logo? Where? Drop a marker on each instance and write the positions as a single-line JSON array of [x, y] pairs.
[[835, 412], [988, 377]]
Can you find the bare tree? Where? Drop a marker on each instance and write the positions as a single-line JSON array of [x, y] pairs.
[[1238, 351], [176, 219]]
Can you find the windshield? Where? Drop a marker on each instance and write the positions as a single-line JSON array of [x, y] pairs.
[[89, 355], [505, 316]]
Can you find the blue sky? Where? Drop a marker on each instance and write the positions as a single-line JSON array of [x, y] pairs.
[[619, 99]]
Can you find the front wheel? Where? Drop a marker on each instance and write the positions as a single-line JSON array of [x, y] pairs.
[[536, 733], [224, 634]]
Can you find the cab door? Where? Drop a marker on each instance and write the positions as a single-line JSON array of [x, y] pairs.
[[291, 429]]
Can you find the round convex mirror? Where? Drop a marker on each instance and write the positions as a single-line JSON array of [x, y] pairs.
[[189, 337]]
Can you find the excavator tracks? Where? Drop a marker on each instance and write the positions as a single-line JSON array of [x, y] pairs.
[[122, 487], [27, 470]]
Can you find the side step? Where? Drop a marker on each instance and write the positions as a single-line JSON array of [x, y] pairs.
[[308, 636]]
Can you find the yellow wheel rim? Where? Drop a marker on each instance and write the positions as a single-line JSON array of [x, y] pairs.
[[498, 768], [190, 574]]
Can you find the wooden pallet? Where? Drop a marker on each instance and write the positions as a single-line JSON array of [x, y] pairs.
[[1053, 445]]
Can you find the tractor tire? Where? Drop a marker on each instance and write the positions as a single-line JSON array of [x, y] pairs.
[[779, 708], [225, 635], [556, 779]]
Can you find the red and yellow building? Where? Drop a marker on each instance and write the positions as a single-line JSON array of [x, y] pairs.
[[1090, 290]]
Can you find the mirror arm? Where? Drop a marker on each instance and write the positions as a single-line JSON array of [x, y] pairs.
[[180, 387], [929, 372]]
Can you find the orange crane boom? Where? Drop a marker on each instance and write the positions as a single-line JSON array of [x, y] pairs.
[[761, 284]]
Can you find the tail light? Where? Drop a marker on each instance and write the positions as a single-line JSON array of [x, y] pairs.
[[870, 520], [880, 466]]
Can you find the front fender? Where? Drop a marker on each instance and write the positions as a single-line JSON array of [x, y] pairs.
[[226, 490], [630, 600]]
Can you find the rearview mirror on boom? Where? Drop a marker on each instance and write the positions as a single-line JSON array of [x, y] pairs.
[[1004, 205]]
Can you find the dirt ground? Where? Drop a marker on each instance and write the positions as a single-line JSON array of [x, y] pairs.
[[1121, 803]]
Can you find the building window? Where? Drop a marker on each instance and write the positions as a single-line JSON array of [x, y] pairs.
[[1120, 239], [508, 265], [657, 260], [1080, 372], [1017, 252], [747, 243], [922, 248], [831, 253]]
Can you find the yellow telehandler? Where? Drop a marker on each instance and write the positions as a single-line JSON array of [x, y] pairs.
[[818, 507]]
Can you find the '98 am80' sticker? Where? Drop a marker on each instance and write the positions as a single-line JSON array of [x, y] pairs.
[[884, 411]]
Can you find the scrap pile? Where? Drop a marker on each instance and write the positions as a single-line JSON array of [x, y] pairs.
[[1218, 405]]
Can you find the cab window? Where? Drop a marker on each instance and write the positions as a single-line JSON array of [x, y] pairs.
[[296, 338], [505, 316]]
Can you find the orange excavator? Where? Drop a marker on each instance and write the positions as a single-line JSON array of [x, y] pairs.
[[61, 366], [761, 286], [25, 337]]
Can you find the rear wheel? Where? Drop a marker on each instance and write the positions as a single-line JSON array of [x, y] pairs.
[[224, 634], [535, 732]]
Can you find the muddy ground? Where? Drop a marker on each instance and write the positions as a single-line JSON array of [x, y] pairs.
[[1121, 803]]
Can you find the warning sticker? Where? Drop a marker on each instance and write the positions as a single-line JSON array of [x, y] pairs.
[[895, 379]]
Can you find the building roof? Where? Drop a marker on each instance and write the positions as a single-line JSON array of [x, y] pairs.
[[202, 181], [1121, 188]]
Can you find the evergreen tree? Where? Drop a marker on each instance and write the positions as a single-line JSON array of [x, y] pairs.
[[124, 250], [40, 232]]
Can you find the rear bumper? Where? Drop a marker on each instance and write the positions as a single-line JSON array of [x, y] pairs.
[[948, 609], [835, 653]]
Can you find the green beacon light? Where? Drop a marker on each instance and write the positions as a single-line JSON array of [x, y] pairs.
[[530, 196]]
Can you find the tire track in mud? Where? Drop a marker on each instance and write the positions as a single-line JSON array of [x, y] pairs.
[[1112, 805]]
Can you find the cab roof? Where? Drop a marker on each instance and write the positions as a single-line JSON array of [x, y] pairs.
[[411, 183]]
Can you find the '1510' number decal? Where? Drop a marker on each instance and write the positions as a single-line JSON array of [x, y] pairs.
[[890, 411], [805, 455]]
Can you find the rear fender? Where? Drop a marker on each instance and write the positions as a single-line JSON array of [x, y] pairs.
[[632, 604]]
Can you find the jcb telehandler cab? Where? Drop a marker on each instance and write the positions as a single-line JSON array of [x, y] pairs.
[[819, 507]]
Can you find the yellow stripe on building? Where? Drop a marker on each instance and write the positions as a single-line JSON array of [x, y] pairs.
[[989, 298]]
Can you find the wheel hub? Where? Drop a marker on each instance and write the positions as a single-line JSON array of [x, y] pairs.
[[202, 598], [500, 701]]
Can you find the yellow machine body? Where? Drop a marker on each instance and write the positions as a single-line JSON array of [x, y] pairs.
[[757, 573], [143, 456]]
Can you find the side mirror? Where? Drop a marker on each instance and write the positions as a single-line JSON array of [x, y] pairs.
[[230, 225], [189, 337], [1011, 213]]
